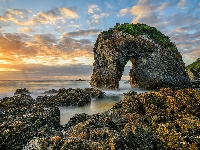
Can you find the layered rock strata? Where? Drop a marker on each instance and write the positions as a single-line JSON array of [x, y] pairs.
[[156, 61]]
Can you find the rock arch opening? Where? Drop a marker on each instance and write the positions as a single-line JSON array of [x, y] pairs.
[[155, 60], [125, 75]]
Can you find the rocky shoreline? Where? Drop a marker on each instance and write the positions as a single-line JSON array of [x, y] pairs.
[[164, 119]]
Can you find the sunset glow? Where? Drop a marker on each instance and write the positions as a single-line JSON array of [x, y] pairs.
[[54, 39]]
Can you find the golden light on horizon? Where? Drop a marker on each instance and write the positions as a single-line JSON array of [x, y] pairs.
[[7, 69]]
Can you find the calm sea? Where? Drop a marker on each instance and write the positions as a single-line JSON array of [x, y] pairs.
[[8, 87]]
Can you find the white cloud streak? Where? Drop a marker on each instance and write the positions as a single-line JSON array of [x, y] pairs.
[[92, 8]]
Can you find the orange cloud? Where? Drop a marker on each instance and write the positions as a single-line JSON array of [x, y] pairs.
[[142, 10], [43, 49], [123, 12], [20, 17]]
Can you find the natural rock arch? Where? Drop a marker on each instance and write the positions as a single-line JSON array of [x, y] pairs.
[[156, 61]]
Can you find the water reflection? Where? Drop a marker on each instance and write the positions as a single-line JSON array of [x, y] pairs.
[[96, 106]]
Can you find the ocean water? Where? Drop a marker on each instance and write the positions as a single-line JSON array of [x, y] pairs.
[[37, 87]]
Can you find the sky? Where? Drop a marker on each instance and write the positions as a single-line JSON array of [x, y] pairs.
[[54, 39]]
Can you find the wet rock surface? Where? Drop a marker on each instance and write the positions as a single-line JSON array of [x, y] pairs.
[[164, 119], [21, 100], [31, 124], [64, 97], [53, 91], [22, 91], [70, 97], [167, 119], [156, 62], [19, 125]]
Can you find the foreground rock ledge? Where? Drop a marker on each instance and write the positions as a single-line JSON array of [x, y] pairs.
[[167, 119], [156, 61]]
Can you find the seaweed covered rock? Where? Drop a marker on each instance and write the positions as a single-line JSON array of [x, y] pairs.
[[70, 97], [52, 91], [172, 116], [64, 97], [22, 91], [156, 62], [130, 93], [19, 125], [166, 119], [95, 92], [17, 101]]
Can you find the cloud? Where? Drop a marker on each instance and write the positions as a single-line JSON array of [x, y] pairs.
[[181, 4], [143, 11], [187, 28], [92, 8], [3, 19], [45, 49], [187, 40], [18, 12], [66, 43], [180, 19], [26, 30], [123, 12], [163, 6], [83, 32], [108, 5], [15, 15], [52, 16], [96, 17], [12, 44], [40, 72], [93, 22]]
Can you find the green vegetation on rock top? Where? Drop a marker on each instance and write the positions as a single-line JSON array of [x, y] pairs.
[[143, 29], [195, 68], [195, 65]]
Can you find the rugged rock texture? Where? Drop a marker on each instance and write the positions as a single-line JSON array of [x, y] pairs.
[[193, 70], [156, 61], [19, 125], [167, 119]]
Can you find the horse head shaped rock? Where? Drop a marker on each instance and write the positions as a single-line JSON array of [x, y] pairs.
[[156, 62]]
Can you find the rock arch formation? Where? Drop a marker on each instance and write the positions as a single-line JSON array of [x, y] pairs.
[[156, 61]]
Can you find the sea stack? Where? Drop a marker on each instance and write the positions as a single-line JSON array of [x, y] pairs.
[[156, 61]]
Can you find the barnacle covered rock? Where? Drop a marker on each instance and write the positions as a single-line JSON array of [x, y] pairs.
[[164, 119], [71, 97], [22, 91], [19, 125], [156, 62], [17, 101]]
